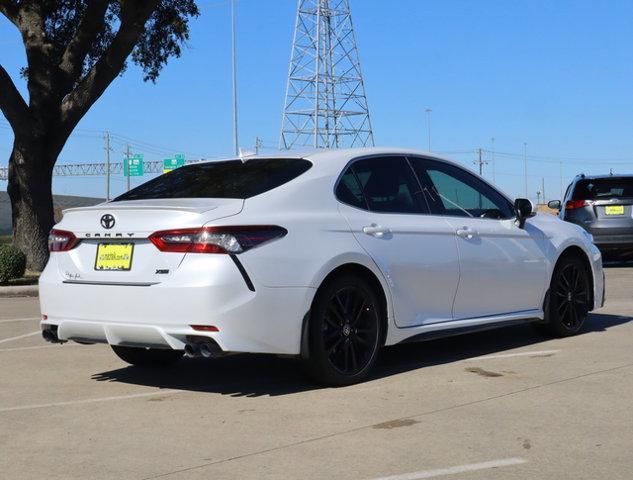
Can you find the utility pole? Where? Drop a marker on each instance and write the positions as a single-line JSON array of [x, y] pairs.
[[107, 165], [127, 165], [258, 145], [428, 125], [494, 163], [525, 168], [234, 69], [538, 197], [480, 162]]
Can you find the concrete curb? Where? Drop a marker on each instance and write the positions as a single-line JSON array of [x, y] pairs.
[[19, 291]]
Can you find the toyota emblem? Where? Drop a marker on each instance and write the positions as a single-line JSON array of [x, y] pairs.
[[107, 221]]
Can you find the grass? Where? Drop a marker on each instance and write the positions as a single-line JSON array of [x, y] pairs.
[[29, 278], [5, 239]]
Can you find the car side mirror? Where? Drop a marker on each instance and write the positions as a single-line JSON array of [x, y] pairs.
[[554, 204], [524, 210]]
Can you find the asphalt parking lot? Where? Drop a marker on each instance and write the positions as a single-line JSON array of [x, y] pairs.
[[496, 405]]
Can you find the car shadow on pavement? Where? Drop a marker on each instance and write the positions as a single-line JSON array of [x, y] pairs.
[[409, 356], [258, 375]]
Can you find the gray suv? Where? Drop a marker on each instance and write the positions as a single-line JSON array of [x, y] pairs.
[[602, 205]]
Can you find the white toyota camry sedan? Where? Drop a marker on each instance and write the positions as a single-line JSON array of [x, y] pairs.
[[327, 256]]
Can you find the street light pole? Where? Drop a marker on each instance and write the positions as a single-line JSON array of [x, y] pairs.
[[525, 168], [107, 166], [127, 165], [234, 70], [494, 165], [428, 125]]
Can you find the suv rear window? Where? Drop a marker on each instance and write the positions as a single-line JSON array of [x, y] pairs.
[[230, 179], [604, 188]]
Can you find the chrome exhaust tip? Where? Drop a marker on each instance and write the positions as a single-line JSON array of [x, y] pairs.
[[192, 350], [50, 335], [207, 350]]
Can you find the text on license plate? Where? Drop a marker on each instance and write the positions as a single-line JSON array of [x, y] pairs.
[[614, 209], [114, 256]]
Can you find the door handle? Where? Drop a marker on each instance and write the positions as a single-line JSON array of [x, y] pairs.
[[375, 230], [465, 232]]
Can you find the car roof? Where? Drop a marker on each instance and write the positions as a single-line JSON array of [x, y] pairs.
[[582, 176], [332, 161], [337, 157]]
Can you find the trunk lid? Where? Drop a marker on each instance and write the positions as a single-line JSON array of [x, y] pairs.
[[127, 226], [614, 216]]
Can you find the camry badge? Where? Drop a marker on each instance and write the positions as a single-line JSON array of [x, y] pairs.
[[107, 221]]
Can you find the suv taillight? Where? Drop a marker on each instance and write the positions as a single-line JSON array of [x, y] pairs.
[[574, 204], [215, 239], [61, 241]]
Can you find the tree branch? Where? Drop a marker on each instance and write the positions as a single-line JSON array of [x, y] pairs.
[[73, 58], [10, 10], [134, 15], [12, 104]]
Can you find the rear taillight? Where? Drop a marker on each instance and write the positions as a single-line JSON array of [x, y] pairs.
[[215, 239], [61, 241], [574, 204]]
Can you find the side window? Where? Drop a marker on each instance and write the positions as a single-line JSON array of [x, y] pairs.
[[349, 191], [389, 185], [453, 191]]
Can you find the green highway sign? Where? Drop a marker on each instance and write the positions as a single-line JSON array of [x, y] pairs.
[[133, 166], [170, 164]]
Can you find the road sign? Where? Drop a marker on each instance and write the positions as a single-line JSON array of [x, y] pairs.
[[133, 166], [170, 164]]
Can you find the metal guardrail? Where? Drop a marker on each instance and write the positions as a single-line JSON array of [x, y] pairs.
[[96, 169]]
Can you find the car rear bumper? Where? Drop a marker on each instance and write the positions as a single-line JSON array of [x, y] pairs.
[[613, 242], [267, 320]]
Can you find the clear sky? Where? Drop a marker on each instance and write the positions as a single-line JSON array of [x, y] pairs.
[[555, 74]]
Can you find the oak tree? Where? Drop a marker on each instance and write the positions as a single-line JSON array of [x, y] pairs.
[[74, 51]]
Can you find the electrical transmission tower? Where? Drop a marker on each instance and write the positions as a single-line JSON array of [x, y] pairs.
[[325, 105]]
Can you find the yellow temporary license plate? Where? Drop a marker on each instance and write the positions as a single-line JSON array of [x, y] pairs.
[[114, 256], [614, 209]]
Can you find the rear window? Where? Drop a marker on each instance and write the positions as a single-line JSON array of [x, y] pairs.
[[232, 179], [604, 188]]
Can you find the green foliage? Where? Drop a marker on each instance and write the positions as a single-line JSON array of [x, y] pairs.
[[12, 263], [165, 31]]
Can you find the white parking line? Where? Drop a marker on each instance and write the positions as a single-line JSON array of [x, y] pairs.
[[471, 467], [10, 320], [539, 353], [10, 339], [18, 349], [89, 400]]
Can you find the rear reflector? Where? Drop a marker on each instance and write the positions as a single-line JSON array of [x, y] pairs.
[[574, 204], [61, 241], [205, 328], [215, 239]]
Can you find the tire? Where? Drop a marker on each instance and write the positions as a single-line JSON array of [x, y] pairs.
[[345, 331], [567, 306], [148, 357]]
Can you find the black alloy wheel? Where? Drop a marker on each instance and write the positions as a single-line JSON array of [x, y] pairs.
[[569, 298], [345, 331]]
